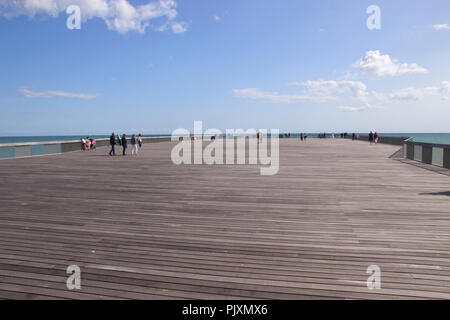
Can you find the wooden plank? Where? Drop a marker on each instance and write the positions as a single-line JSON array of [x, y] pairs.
[[141, 227]]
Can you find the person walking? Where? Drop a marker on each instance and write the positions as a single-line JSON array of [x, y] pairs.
[[83, 144], [88, 143], [112, 142], [124, 144], [134, 145], [371, 137], [376, 137], [140, 140]]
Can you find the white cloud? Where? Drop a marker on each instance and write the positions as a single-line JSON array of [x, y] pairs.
[[176, 27], [53, 93], [410, 94], [350, 109], [119, 15], [216, 18], [179, 27], [321, 91], [315, 91], [258, 94], [439, 27], [328, 88], [416, 94], [348, 92], [377, 65]]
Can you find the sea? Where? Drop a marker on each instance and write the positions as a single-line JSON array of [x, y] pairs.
[[438, 138], [19, 139]]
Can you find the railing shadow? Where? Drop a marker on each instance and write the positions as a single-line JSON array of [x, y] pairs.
[[397, 154], [444, 193]]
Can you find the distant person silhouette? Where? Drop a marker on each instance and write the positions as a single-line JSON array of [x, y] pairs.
[[134, 145], [112, 142], [124, 144], [371, 137]]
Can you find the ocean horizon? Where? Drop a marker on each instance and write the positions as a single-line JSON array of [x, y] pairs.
[[22, 139], [437, 138]]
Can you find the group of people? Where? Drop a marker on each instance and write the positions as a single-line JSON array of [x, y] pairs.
[[333, 135], [373, 137], [303, 136], [136, 143], [88, 143]]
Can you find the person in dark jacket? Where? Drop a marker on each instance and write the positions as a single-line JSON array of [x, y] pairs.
[[371, 137], [112, 142], [139, 139], [124, 144]]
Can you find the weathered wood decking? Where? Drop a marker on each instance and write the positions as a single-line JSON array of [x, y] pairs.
[[147, 229]]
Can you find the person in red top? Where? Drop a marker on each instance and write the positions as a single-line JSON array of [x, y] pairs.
[[376, 136]]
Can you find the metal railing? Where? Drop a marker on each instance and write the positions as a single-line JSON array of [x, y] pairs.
[[30, 149], [429, 153]]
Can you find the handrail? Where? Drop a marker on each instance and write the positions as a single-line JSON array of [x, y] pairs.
[[39, 148], [429, 153], [33, 143], [428, 144]]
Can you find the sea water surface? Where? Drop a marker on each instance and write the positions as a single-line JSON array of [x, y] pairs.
[[437, 138], [20, 139]]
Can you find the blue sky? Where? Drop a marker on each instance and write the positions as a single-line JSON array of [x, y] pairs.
[[309, 65]]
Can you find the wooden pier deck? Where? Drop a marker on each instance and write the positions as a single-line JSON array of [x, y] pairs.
[[143, 228]]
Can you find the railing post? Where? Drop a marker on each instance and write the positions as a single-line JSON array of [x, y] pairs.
[[427, 154], [446, 158]]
